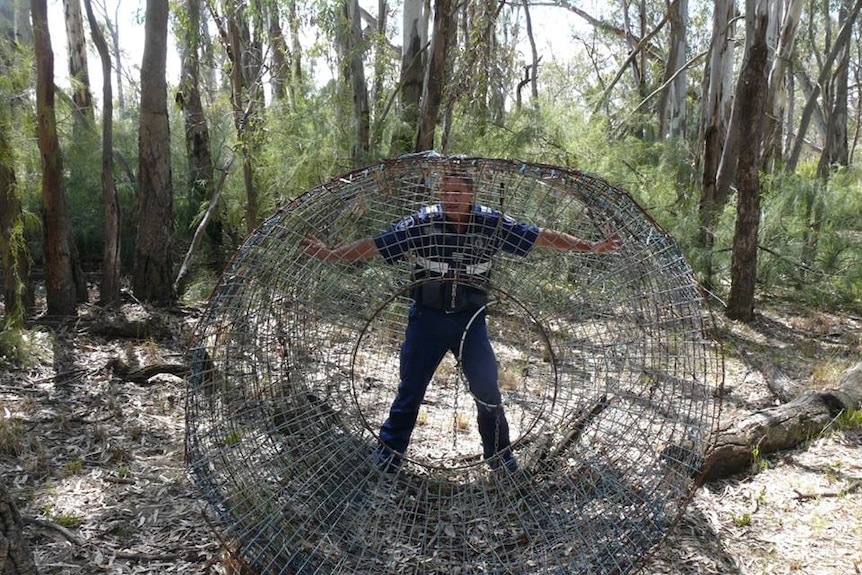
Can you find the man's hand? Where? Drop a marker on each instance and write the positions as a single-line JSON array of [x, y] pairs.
[[607, 245], [315, 248], [362, 249]]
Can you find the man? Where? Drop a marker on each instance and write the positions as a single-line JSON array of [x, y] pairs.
[[452, 246]]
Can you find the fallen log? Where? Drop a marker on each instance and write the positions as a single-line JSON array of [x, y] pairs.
[[782, 427], [142, 375]]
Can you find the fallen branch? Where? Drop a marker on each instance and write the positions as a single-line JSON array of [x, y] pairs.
[[851, 488], [782, 427], [68, 535], [129, 556], [142, 375]]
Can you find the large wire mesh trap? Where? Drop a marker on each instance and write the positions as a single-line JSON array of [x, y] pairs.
[[608, 378]]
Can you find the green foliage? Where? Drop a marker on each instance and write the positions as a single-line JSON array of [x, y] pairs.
[[82, 160], [306, 147], [807, 254], [67, 519], [819, 257], [15, 346], [848, 420], [199, 287], [13, 435]]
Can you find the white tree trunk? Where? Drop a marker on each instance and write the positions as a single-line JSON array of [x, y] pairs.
[[778, 94], [672, 108], [415, 26]]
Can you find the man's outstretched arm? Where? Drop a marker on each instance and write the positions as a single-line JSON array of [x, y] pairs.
[[555, 240], [362, 249]]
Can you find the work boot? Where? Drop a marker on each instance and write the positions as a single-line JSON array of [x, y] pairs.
[[385, 460], [503, 462]]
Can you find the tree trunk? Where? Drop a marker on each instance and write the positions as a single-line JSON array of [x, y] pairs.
[[244, 50], [109, 288], [377, 93], [415, 30], [716, 118], [14, 256], [78, 71], [60, 277], [118, 60], [835, 150], [15, 555], [152, 279], [280, 74], [672, 106], [200, 162], [841, 43], [182, 275], [296, 89], [531, 71], [778, 93], [361, 110], [782, 427], [435, 78], [753, 94], [728, 166]]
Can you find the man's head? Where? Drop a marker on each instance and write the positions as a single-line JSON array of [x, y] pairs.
[[457, 194]]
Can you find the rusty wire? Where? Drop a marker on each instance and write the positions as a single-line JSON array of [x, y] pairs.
[[607, 370]]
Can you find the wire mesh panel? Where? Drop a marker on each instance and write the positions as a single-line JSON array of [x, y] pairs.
[[570, 445]]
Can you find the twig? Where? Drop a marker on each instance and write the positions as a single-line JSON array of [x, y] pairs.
[[55, 527], [145, 556], [119, 480], [854, 486]]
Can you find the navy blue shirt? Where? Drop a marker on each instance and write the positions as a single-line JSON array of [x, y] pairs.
[[451, 268]]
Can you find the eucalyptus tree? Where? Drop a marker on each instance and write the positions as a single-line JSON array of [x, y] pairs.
[[716, 110], [480, 80], [241, 29], [119, 70], [832, 96], [109, 287], [201, 172], [435, 76], [380, 62], [14, 255], [749, 108], [531, 71], [414, 25], [672, 101], [279, 75], [826, 71], [64, 281], [653, 65], [353, 48], [152, 278], [295, 86], [777, 120], [835, 101], [78, 70]]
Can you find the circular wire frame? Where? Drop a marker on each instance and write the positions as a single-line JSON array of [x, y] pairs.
[[608, 376]]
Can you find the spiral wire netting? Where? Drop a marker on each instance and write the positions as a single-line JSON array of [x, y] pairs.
[[609, 379]]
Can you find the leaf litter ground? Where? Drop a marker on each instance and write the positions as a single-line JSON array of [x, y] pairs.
[[95, 462]]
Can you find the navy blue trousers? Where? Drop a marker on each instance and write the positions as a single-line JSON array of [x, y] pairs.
[[429, 336]]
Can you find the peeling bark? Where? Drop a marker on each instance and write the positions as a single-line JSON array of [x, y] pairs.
[[16, 558]]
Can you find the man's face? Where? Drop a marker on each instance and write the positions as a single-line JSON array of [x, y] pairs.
[[456, 198]]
